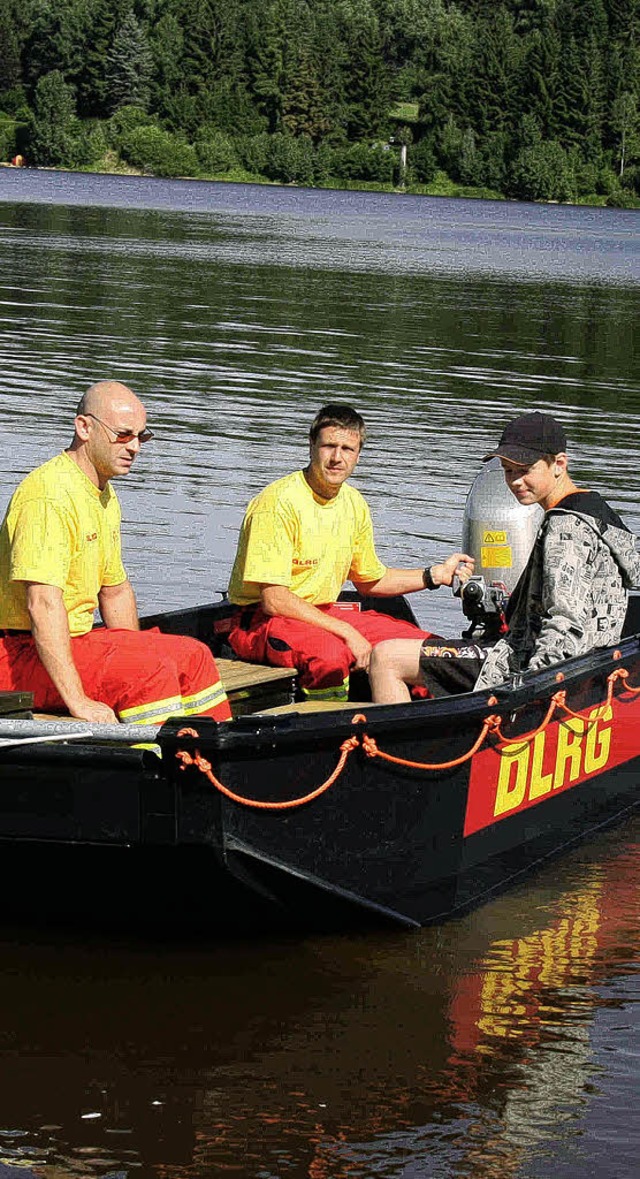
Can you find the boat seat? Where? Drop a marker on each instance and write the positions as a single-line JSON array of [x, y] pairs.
[[235, 673], [251, 685], [16, 704]]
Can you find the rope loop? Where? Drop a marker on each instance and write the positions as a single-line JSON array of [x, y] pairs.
[[525, 738], [201, 763], [490, 724], [621, 673]]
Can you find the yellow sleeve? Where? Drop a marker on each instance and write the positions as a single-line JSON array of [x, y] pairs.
[[42, 546], [365, 563]]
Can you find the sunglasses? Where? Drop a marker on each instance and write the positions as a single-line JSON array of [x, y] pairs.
[[123, 436]]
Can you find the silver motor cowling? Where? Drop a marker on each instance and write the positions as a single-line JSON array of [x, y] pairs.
[[499, 533]]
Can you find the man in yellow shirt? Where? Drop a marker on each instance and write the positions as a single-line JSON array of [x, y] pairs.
[[60, 560], [301, 539]]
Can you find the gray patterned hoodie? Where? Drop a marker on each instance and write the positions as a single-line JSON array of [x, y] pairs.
[[571, 596]]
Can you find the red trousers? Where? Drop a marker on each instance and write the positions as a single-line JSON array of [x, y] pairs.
[[322, 659], [145, 676]]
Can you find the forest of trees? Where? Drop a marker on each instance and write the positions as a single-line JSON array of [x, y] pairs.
[[532, 99]]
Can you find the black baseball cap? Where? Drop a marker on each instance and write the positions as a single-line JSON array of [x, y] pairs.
[[528, 438]]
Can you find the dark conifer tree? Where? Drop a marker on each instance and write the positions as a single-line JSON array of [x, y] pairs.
[[492, 90], [10, 63], [540, 78], [103, 19], [129, 67], [367, 81]]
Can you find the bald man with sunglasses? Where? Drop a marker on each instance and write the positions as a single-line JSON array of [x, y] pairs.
[[60, 560]]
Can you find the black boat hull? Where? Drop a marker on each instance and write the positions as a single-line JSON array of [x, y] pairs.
[[122, 836]]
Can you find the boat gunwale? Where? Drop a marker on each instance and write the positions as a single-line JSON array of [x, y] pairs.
[[508, 698]]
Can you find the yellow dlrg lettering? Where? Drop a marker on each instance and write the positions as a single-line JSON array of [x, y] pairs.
[[540, 783], [598, 743], [512, 778], [574, 748], [570, 735]]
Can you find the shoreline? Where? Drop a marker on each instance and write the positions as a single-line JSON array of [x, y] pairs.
[[441, 187]]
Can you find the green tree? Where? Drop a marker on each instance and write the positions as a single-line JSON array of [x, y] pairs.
[[493, 154], [367, 84], [54, 123], [327, 72], [581, 97], [10, 64], [468, 165], [213, 56], [126, 119], [93, 88], [540, 76], [55, 40], [543, 173], [449, 145], [422, 162], [491, 99], [158, 152], [582, 19], [254, 152], [129, 66], [531, 15], [331, 63], [265, 63], [290, 158], [215, 151], [443, 80], [166, 42], [359, 161], [302, 112], [8, 137]]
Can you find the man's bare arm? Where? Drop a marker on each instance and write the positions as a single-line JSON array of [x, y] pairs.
[[278, 599], [50, 627], [118, 606], [409, 581]]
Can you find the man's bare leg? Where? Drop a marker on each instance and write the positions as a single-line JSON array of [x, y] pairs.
[[394, 668]]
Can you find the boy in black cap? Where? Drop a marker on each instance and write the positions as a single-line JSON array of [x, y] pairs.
[[570, 598]]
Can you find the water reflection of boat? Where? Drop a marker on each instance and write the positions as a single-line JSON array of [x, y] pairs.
[[402, 814], [331, 1057]]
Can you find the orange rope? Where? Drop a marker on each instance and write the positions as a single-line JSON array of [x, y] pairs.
[[562, 703], [559, 700], [490, 723], [204, 766], [623, 674], [526, 737], [620, 674]]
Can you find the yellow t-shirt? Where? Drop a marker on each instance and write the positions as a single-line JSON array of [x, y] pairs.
[[292, 537], [59, 530]]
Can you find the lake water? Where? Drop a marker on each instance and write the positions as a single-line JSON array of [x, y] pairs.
[[504, 1044]]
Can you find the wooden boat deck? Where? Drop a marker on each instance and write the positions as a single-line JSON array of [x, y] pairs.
[[252, 687], [237, 675]]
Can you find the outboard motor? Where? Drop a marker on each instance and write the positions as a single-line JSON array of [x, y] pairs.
[[499, 533]]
